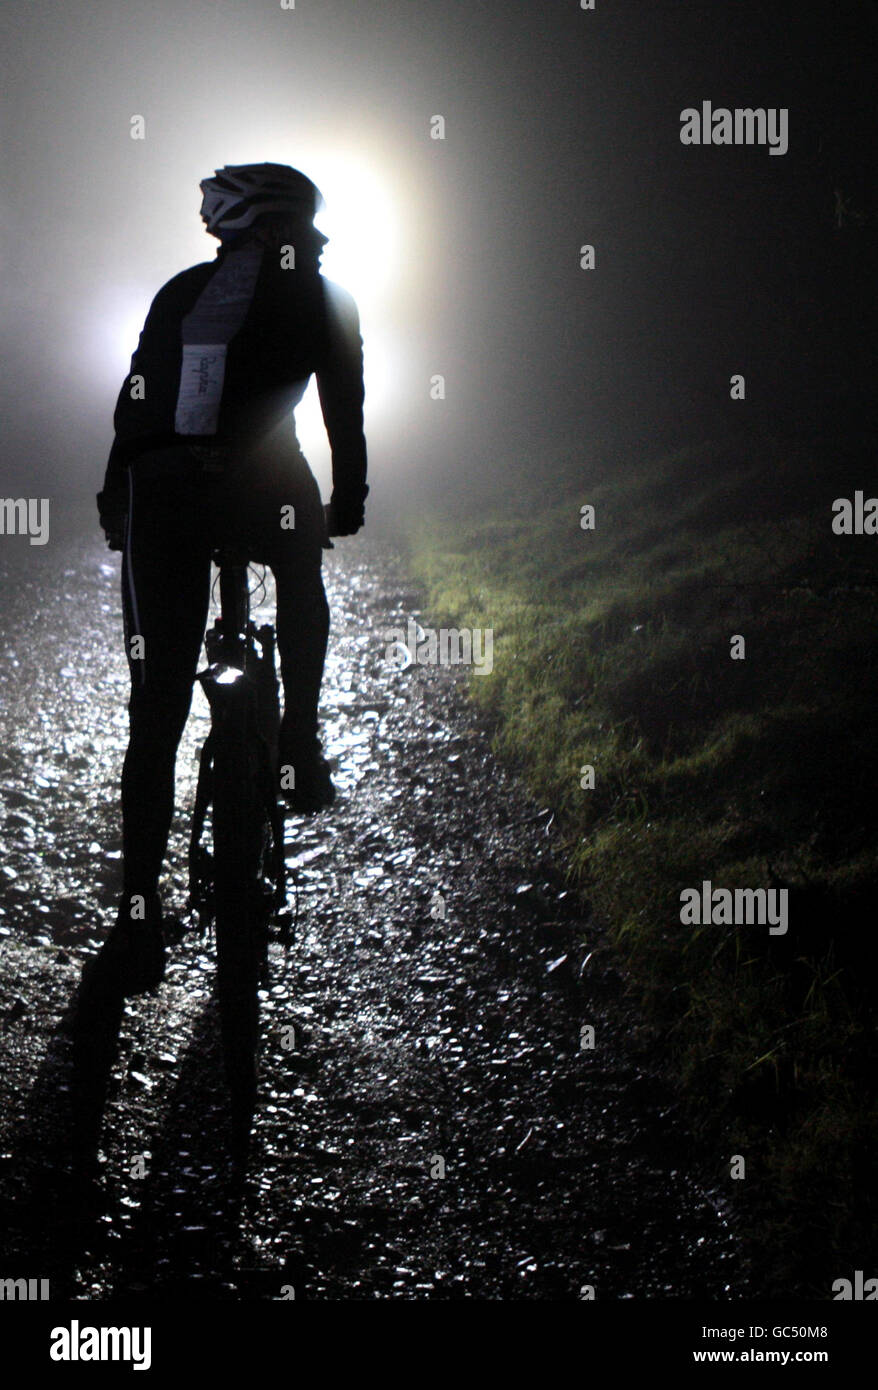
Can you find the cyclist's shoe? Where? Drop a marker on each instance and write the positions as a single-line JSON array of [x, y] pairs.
[[132, 959], [309, 789]]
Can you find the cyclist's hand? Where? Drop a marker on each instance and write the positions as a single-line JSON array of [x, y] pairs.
[[345, 515], [113, 517]]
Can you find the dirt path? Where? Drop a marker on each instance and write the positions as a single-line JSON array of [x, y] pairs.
[[415, 1038]]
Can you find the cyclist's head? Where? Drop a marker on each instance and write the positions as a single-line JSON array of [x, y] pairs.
[[277, 229], [241, 195]]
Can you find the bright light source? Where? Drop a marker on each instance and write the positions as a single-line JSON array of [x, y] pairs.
[[362, 225]]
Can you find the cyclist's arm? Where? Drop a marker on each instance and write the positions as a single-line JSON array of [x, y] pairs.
[[113, 498], [340, 386], [144, 416]]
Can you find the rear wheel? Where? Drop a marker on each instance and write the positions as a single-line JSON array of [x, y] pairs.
[[239, 838]]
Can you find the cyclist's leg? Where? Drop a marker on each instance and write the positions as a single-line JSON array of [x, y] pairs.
[[302, 632], [258, 498], [295, 556], [166, 583], [302, 637]]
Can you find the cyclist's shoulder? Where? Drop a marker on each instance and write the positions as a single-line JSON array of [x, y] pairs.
[[180, 286], [339, 302]]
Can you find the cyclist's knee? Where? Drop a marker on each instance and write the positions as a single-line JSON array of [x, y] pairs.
[[300, 594], [159, 713]]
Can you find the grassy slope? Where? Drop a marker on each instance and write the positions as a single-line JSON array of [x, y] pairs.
[[612, 648]]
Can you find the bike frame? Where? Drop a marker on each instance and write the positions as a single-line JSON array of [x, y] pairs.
[[240, 683], [242, 883]]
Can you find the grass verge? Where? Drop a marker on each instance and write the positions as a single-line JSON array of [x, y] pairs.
[[612, 649]]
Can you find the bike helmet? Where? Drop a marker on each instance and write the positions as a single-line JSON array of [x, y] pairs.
[[239, 193]]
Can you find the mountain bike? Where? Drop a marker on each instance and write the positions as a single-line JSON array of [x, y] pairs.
[[238, 885], [240, 882]]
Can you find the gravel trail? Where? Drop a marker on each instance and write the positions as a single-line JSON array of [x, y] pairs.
[[427, 1019]]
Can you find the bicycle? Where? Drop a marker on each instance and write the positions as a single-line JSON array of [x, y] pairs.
[[239, 886]]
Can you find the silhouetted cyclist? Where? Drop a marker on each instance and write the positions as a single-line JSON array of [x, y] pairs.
[[205, 450]]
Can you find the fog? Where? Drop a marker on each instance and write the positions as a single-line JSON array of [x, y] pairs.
[[562, 127]]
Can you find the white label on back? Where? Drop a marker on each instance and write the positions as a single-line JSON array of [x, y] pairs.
[[201, 388]]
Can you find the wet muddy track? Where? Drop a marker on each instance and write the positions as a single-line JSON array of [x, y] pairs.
[[397, 1042]]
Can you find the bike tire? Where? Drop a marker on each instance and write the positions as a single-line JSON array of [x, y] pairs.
[[239, 822]]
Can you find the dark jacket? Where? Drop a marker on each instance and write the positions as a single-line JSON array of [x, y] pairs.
[[297, 324]]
